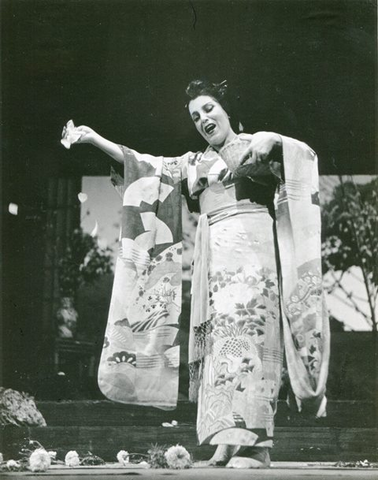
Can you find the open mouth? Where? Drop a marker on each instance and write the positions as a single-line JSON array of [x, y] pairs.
[[209, 128]]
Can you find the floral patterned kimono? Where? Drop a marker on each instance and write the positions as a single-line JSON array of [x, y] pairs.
[[244, 314]]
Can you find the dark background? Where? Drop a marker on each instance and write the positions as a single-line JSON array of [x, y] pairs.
[[304, 68]]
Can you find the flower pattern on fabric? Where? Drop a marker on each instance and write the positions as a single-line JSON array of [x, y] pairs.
[[125, 357], [241, 377], [308, 338]]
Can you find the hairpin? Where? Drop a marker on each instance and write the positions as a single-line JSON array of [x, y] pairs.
[[221, 87]]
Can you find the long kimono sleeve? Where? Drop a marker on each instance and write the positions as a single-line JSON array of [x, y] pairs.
[[140, 357], [304, 312]]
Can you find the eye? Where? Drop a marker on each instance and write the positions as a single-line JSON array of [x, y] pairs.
[[209, 107], [195, 118]]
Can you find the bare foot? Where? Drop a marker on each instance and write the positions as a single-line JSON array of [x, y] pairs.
[[222, 455], [251, 457]]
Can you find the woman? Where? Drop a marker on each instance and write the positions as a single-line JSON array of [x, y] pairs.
[[259, 216]]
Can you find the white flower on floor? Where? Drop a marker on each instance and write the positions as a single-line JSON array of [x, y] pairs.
[[72, 459], [13, 465], [52, 454], [123, 457], [39, 460], [178, 457]]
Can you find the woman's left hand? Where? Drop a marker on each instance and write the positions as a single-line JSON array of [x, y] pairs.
[[261, 148]]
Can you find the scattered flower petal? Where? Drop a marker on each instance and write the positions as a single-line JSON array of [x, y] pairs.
[[13, 208], [39, 460], [174, 423], [95, 230], [83, 197], [52, 454]]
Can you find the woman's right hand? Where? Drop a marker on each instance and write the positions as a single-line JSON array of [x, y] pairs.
[[88, 135], [84, 134]]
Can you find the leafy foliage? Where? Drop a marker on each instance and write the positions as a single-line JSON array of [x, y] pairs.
[[350, 235], [91, 459], [350, 228], [82, 262], [156, 456], [18, 408]]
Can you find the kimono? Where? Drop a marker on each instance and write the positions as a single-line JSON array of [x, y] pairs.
[[256, 291]]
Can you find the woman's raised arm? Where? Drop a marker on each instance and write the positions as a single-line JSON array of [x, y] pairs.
[[88, 135]]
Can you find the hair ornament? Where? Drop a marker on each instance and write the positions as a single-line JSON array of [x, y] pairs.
[[221, 87]]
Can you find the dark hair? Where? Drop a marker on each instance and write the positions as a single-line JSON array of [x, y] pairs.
[[218, 91]]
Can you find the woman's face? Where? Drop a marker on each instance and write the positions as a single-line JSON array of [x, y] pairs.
[[211, 121]]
